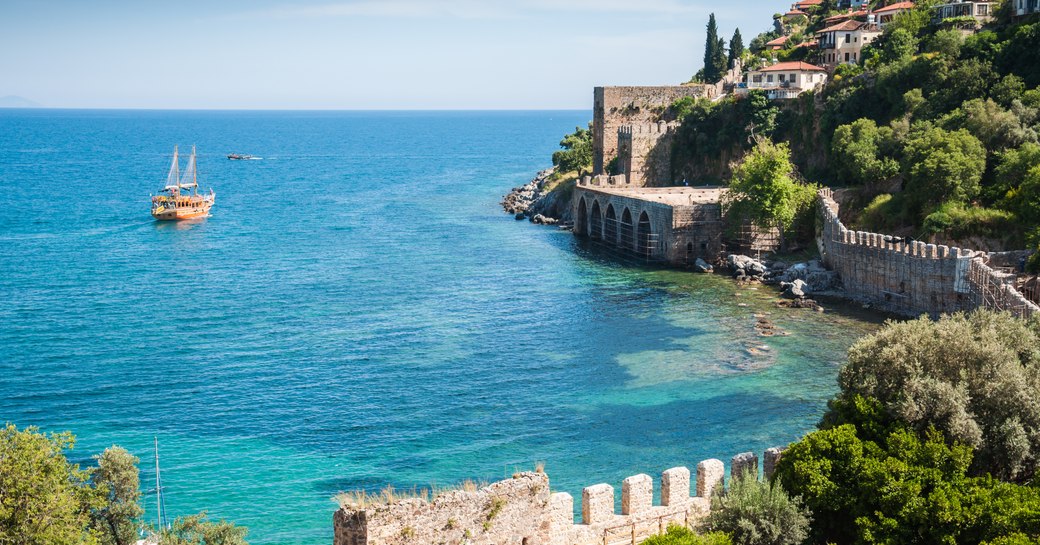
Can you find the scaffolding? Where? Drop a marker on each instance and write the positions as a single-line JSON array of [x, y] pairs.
[[997, 289], [630, 241]]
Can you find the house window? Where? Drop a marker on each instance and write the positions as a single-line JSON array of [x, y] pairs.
[[846, 57], [757, 78], [848, 38], [782, 76], [793, 78]]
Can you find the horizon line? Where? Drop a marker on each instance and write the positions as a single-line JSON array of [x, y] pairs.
[[36, 108]]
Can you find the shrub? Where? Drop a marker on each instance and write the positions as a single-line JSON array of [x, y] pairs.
[[576, 154], [959, 221], [943, 166], [678, 535], [974, 377], [758, 513]]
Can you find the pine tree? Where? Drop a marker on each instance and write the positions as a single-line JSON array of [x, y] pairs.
[[711, 45], [736, 48]]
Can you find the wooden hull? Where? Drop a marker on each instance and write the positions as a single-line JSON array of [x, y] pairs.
[[181, 212]]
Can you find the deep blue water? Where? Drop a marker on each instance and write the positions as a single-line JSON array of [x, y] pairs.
[[358, 312]]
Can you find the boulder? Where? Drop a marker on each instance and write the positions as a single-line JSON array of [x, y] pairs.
[[519, 216], [743, 265], [797, 289], [822, 280], [702, 266]]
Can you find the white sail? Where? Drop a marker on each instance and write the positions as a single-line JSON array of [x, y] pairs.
[[174, 175], [189, 181]]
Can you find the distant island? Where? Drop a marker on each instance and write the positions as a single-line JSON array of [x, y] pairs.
[[15, 101]]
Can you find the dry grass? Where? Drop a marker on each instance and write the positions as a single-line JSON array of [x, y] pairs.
[[539, 466], [360, 499]]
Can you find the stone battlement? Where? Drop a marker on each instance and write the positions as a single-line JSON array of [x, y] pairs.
[[522, 511], [911, 277]]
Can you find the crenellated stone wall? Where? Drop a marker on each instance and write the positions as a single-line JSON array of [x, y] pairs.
[[522, 511], [645, 153], [614, 107], [910, 277]]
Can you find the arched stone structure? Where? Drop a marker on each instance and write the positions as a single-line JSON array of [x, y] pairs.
[[581, 221], [610, 227], [644, 236], [596, 221], [627, 235]]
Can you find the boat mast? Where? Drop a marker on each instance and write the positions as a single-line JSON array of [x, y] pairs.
[[159, 503]]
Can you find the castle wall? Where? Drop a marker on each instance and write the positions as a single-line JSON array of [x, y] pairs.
[[676, 231], [911, 277], [521, 510], [645, 153], [614, 107]]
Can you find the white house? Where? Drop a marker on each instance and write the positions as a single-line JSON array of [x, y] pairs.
[[843, 42], [1026, 7], [785, 79], [886, 14], [982, 12]]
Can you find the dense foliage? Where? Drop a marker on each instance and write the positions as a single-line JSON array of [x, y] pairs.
[[576, 155], [765, 189], [943, 122], [975, 378], [46, 499], [758, 513], [678, 535]]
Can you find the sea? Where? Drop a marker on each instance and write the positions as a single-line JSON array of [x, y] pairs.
[[358, 312]]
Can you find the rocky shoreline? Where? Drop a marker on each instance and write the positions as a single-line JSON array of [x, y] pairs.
[[796, 281], [533, 202]]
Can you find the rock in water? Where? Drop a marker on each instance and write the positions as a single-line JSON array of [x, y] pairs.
[[797, 289]]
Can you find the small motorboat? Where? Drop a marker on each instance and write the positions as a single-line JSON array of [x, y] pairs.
[[243, 157]]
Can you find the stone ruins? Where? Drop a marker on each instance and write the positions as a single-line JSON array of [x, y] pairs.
[[523, 510]]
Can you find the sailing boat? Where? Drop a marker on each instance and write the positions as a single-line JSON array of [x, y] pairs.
[[180, 198]]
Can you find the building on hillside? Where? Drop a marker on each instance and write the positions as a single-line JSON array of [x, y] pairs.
[[784, 80], [851, 4], [886, 14], [777, 44], [803, 5], [795, 14], [1026, 7], [981, 12], [843, 42], [859, 15]]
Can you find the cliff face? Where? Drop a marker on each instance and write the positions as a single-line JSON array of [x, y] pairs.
[[541, 200]]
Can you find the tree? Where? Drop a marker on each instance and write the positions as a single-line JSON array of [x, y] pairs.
[[856, 152], [973, 377], [901, 487], [736, 48], [711, 54], [758, 513], [942, 166], [899, 46], [720, 60], [765, 190], [116, 479], [998, 129], [43, 498], [1012, 167], [196, 530], [576, 155]]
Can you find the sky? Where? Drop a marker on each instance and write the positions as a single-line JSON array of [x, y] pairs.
[[354, 54]]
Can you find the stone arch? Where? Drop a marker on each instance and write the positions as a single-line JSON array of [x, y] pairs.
[[644, 235], [595, 220], [610, 225], [627, 235], [581, 222]]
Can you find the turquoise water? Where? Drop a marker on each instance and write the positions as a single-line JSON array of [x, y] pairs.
[[359, 312]]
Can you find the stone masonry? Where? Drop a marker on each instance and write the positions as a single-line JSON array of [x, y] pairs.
[[614, 107], [670, 224], [911, 277], [645, 153], [522, 511]]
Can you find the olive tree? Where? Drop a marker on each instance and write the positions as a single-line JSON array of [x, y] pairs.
[[941, 166], [117, 480], [758, 513], [43, 497], [974, 377]]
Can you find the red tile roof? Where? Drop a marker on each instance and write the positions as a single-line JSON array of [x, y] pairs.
[[807, 3], [848, 15], [792, 65], [794, 12], [843, 27], [779, 41], [895, 7]]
